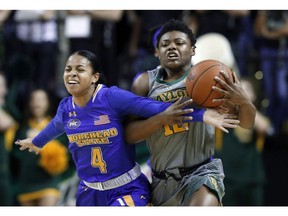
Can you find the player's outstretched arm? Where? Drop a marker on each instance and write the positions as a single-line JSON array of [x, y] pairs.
[[28, 144], [221, 121], [51, 131], [177, 113]]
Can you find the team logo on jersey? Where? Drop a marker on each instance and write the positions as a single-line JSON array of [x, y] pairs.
[[73, 123], [102, 119], [72, 114], [171, 95]]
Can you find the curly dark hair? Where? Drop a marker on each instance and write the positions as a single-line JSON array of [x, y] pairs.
[[176, 25]]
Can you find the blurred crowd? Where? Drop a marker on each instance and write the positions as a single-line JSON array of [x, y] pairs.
[[35, 43]]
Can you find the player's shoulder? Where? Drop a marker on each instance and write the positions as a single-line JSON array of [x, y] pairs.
[[144, 75], [65, 103], [155, 70], [115, 92], [113, 89], [141, 82], [154, 73], [140, 77], [65, 100]]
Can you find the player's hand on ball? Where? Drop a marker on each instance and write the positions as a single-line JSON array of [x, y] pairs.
[[221, 121], [201, 79], [27, 144], [233, 91]]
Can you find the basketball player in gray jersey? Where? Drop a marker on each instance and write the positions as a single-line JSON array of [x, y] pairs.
[[171, 91], [184, 170]]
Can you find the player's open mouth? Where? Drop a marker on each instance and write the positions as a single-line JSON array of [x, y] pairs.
[[72, 82], [172, 56]]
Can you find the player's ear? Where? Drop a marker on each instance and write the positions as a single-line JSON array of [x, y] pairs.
[[193, 50], [96, 77], [156, 53]]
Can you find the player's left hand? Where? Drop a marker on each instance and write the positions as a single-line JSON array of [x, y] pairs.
[[221, 121], [27, 144]]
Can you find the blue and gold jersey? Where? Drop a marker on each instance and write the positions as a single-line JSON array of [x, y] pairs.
[[95, 132]]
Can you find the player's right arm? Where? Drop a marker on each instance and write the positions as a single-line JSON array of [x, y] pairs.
[[28, 144], [138, 129]]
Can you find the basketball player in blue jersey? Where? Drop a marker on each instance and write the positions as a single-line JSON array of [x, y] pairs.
[[184, 170], [92, 119]]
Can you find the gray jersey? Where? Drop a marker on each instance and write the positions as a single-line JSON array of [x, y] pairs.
[[174, 146]]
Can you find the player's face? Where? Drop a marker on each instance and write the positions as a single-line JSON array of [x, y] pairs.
[[78, 76], [175, 50]]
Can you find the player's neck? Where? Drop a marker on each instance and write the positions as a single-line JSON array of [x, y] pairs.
[[82, 100], [170, 75]]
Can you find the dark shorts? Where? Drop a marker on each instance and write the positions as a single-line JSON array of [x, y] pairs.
[[178, 193], [135, 193]]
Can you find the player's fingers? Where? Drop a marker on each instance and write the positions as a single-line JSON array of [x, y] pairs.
[[223, 109], [181, 113], [235, 77], [22, 147], [229, 126], [35, 151], [17, 142], [226, 76], [223, 83], [186, 111], [232, 121], [223, 129], [219, 100], [217, 89], [186, 118], [181, 104], [181, 124], [230, 116], [178, 101], [187, 102]]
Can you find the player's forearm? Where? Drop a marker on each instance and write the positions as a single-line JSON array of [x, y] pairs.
[[139, 130], [247, 113], [49, 133]]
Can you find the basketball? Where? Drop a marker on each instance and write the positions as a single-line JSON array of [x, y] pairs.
[[200, 80]]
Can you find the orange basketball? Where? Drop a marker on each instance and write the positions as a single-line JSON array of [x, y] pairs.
[[200, 80]]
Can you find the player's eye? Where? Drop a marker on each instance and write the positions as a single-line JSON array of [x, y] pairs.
[[67, 69]]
